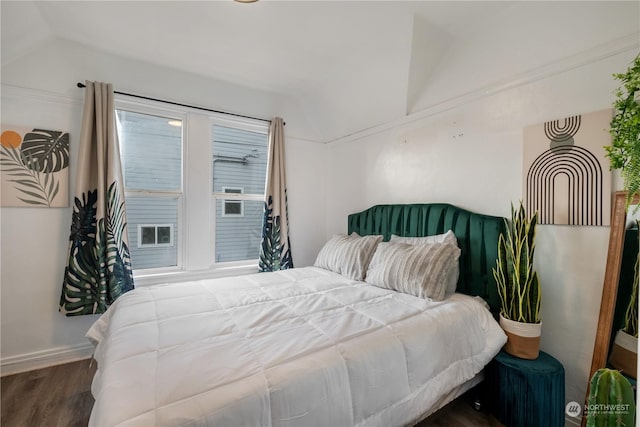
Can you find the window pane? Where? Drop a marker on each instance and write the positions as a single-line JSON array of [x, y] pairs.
[[152, 210], [232, 207], [151, 150], [148, 235], [239, 160], [164, 235], [238, 237]]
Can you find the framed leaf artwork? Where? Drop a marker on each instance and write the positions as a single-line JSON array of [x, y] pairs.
[[34, 167]]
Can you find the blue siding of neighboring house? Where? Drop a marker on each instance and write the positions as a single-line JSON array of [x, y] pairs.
[[148, 210], [238, 237], [152, 153]]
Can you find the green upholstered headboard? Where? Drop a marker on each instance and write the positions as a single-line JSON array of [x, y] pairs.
[[477, 237]]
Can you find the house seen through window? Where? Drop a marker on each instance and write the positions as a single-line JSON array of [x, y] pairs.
[[239, 174], [151, 150], [155, 148]]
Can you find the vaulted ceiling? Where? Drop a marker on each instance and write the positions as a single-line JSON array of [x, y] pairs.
[[352, 65]]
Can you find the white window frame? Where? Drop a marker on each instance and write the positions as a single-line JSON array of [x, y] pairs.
[[242, 124], [195, 233], [159, 110], [156, 244]]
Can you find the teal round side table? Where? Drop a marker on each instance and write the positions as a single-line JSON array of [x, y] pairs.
[[526, 393]]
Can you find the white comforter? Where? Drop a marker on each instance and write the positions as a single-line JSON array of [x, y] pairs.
[[301, 347]]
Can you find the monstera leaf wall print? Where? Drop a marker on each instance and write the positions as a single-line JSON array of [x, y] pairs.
[[34, 167]]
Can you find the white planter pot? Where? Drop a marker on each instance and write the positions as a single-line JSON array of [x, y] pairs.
[[523, 339]]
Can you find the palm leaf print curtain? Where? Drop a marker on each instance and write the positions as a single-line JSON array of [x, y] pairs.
[[275, 247], [99, 263]]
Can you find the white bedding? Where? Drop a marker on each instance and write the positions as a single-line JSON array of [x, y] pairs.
[[299, 347]]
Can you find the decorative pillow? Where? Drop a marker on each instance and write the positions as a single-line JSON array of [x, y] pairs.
[[348, 255], [419, 270], [448, 237]]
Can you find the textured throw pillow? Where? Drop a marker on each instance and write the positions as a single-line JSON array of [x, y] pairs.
[[348, 255], [419, 270], [448, 237]]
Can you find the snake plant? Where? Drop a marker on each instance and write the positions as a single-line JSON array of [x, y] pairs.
[[518, 285], [611, 401]]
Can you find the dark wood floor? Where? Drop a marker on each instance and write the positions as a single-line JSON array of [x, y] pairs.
[[61, 396], [460, 413], [56, 396]]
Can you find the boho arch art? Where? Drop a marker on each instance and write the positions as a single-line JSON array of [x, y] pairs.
[[567, 180]]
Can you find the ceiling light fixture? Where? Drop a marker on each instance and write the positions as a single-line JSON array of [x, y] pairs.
[[245, 1]]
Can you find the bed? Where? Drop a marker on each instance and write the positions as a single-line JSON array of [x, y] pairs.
[[307, 346]]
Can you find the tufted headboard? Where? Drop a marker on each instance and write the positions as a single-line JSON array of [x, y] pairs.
[[477, 237]]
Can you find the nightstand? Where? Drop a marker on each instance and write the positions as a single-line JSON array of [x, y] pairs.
[[526, 393]]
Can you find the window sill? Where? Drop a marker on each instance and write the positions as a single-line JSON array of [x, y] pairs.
[[156, 278]]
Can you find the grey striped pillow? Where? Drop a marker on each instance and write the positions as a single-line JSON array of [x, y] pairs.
[[448, 237], [419, 270], [348, 255]]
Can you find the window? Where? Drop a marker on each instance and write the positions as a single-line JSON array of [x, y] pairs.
[[151, 150], [194, 187], [239, 174], [232, 207], [155, 235]]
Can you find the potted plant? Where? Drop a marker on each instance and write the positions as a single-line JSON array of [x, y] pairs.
[[624, 353], [611, 401], [518, 286], [624, 154], [624, 151]]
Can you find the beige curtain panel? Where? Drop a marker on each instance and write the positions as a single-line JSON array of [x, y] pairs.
[[99, 264], [275, 247]]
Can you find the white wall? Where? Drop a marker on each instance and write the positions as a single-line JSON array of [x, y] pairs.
[[34, 241], [471, 156]]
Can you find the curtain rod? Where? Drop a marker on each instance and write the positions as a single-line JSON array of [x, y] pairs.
[[82, 85]]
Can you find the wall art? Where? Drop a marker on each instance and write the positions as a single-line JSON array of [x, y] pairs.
[[566, 176], [34, 167]]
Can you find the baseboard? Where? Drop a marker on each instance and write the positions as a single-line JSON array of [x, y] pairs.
[[45, 358]]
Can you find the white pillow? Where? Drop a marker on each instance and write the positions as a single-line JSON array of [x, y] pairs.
[[419, 270], [348, 255], [448, 237]]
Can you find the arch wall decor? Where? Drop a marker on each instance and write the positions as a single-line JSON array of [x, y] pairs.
[[566, 177]]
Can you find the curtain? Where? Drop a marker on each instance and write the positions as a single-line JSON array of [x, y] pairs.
[[275, 247], [99, 264]]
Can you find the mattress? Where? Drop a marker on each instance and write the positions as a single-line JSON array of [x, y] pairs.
[[299, 347]]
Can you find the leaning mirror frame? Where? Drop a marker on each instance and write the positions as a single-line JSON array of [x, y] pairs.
[[611, 280]]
